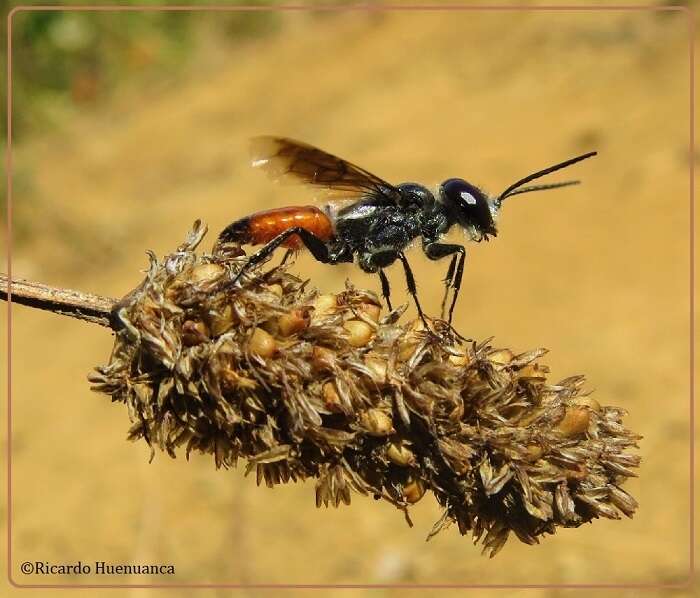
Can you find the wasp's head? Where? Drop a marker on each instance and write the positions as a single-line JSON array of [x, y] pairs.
[[470, 208]]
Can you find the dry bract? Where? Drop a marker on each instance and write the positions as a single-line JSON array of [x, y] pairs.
[[360, 404]]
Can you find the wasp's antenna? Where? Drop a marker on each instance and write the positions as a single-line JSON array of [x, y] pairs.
[[543, 187], [513, 189]]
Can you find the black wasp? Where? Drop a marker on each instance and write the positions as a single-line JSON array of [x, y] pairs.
[[381, 222]]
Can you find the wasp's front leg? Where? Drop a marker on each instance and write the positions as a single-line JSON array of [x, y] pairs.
[[436, 251]]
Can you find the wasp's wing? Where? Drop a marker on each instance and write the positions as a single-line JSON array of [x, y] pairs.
[[287, 159]]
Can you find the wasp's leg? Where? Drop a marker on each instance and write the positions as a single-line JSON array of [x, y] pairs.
[[287, 254], [411, 284], [436, 251], [447, 280], [318, 248], [386, 289]]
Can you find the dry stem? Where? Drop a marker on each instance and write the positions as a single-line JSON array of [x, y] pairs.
[[76, 304]]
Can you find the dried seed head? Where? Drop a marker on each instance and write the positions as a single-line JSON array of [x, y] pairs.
[[198, 365], [262, 343]]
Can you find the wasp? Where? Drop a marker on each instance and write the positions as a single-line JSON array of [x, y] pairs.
[[375, 222]]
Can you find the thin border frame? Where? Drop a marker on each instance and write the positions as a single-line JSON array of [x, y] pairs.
[[345, 8]]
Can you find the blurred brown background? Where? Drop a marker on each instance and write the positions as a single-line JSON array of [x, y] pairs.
[[139, 124]]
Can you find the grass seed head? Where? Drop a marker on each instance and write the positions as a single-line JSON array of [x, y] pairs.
[[306, 385]]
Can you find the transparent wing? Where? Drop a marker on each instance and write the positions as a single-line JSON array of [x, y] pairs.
[[289, 160]]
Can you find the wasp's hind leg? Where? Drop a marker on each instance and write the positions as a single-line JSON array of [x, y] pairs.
[[321, 250], [287, 254], [314, 244], [386, 289]]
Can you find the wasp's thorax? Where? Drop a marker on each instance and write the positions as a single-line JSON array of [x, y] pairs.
[[469, 207]]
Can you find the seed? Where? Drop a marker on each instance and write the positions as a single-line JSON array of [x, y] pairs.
[[359, 332], [413, 491], [589, 402], [194, 333], [324, 305], [501, 357], [377, 423], [575, 421], [534, 452], [271, 326], [205, 272], [262, 343], [459, 360], [371, 310], [576, 474], [400, 454], [408, 345], [322, 358], [222, 320], [406, 350], [331, 399], [276, 289], [293, 322], [534, 371], [378, 368]]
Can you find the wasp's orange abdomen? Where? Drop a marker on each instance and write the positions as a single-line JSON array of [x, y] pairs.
[[262, 227]]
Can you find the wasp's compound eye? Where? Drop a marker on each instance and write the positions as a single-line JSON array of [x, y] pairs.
[[469, 204]]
